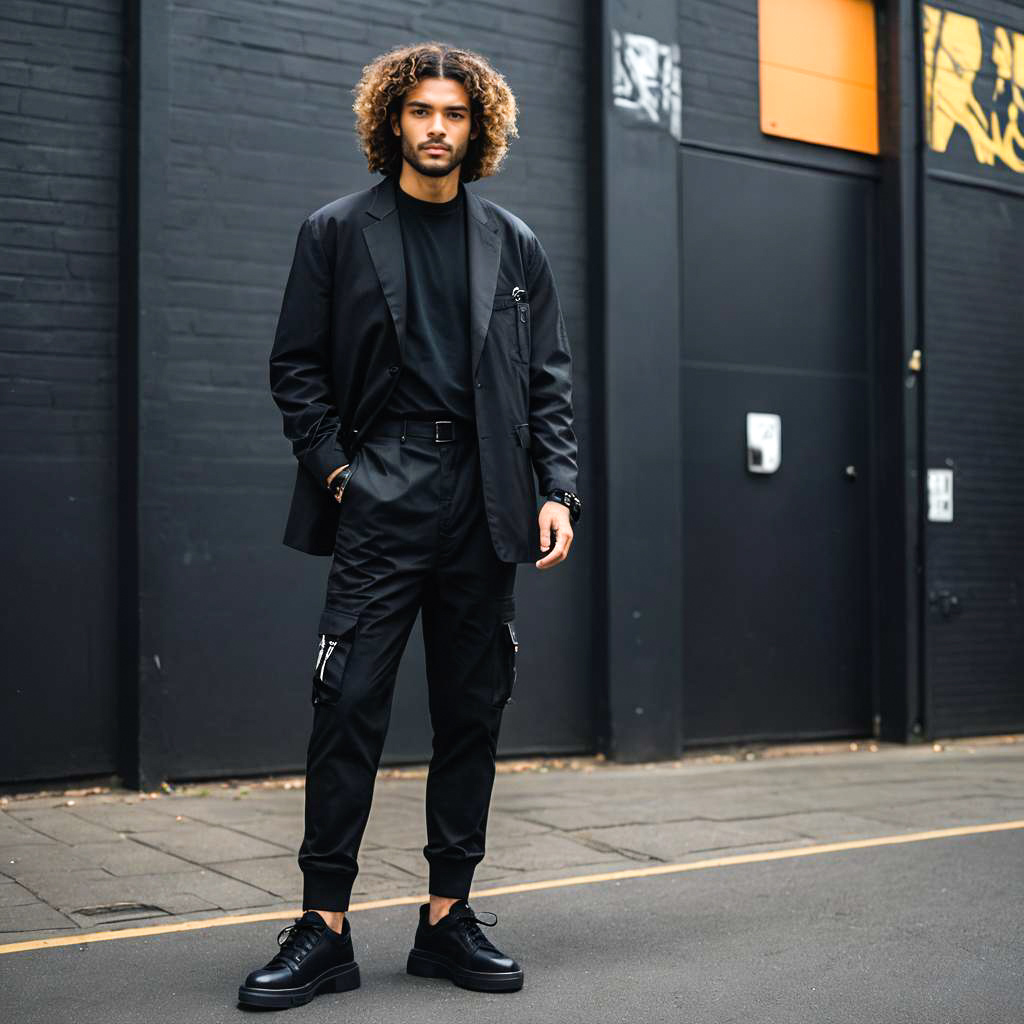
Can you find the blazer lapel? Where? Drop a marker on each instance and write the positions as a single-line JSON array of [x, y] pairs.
[[483, 247], [384, 242]]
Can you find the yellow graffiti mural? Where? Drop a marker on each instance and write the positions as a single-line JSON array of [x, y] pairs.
[[953, 56]]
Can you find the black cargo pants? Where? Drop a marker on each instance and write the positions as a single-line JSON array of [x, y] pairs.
[[412, 535]]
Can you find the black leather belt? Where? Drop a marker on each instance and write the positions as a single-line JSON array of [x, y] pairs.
[[436, 430]]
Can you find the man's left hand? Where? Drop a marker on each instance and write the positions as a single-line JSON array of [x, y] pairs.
[[554, 515]]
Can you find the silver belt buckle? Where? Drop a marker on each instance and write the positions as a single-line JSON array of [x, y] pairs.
[[451, 433]]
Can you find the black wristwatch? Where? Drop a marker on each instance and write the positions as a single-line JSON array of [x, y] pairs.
[[570, 500]]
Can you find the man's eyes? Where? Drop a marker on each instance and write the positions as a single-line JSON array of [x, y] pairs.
[[455, 113]]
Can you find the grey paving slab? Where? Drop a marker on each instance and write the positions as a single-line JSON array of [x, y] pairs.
[[383, 881], [502, 826], [32, 918], [123, 816], [179, 892], [545, 851], [14, 895], [669, 841], [888, 795], [938, 813], [206, 844], [279, 875], [835, 826], [61, 824], [128, 856], [218, 810], [283, 830], [406, 831], [515, 801], [13, 832], [610, 813], [106, 907], [65, 889], [28, 859]]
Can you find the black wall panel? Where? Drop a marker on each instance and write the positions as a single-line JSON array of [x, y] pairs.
[[60, 129], [974, 366], [778, 316]]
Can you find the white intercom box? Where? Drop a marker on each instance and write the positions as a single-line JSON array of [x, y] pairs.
[[764, 442]]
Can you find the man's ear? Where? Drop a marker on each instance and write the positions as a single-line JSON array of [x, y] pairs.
[[396, 123]]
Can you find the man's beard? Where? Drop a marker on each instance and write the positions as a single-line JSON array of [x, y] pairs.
[[433, 169]]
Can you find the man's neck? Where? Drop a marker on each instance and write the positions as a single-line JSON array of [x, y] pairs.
[[430, 190]]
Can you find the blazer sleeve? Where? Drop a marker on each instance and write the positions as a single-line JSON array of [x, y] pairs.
[[553, 447], [300, 360]]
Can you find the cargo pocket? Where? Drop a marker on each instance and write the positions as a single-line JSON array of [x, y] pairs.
[[507, 646], [337, 633]]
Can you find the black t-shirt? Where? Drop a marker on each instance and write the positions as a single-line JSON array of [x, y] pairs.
[[435, 381]]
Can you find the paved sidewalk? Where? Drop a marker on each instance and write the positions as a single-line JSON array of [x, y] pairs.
[[76, 862]]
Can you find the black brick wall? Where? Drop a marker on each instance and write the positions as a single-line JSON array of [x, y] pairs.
[[60, 96]]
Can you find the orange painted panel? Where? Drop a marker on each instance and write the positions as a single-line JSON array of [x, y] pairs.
[[818, 72]]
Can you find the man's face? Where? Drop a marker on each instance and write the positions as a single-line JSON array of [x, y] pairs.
[[435, 126]]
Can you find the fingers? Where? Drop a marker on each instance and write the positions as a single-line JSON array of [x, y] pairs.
[[559, 552], [337, 497], [334, 473]]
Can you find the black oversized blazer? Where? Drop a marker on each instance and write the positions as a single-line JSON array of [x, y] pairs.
[[337, 354]]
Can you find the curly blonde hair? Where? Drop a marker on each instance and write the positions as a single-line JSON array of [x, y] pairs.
[[385, 81]]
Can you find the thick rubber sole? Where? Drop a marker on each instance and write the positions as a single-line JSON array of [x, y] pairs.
[[341, 979], [434, 965]]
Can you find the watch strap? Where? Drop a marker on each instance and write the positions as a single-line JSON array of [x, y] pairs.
[[570, 500]]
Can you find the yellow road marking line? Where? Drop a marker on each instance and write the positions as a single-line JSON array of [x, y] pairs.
[[551, 883]]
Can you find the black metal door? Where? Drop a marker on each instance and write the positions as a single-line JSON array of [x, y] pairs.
[[778, 316], [974, 415]]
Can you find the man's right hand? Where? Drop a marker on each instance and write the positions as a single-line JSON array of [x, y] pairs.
[[337, 497]]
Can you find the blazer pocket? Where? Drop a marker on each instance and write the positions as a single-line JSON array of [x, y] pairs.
[[515, 335]]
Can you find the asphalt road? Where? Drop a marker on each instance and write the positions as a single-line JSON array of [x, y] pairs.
[[928, 931]]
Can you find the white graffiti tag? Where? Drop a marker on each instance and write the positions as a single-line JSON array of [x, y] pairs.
[[646, 79]]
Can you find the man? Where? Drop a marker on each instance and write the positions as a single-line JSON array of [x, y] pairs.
[[423, 372]]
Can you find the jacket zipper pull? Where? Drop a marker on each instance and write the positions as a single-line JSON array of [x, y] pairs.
[[519, 295]]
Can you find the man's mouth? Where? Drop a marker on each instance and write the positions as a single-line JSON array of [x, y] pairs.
[[436, 149]]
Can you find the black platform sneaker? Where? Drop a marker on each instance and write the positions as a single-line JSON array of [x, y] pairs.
[[313, 959], [455, 948]]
